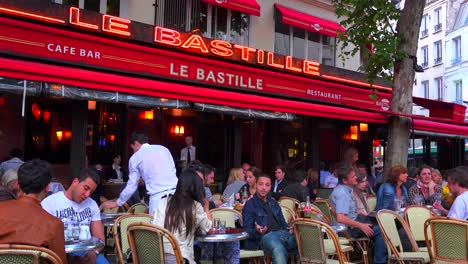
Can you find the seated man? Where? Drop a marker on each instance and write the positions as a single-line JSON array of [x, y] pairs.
[[23, 221], [9, 189], [298, 190], [76, 203], [346, 212], [264, 222], [458, 185]]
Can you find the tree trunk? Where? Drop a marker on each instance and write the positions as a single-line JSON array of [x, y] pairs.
[[402, 98]]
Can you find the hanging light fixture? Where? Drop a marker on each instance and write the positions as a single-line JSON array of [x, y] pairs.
[[363, 127], [354, 132], [91, 105], [59, 134]]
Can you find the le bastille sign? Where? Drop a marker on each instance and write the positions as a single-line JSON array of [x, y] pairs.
[[95, 51]]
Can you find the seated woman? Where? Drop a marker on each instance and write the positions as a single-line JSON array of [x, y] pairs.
[[425, 191], [235, 181], [393, 188], [184, 213], [115, 171], [251, 186], [359, 195]]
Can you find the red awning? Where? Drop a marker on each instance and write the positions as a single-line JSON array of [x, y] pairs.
[[440, 127], [441, 109], [21, 69], [250, 7], [308, 22]]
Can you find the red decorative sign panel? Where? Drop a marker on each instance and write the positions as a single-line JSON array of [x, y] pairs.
[[36, 41]]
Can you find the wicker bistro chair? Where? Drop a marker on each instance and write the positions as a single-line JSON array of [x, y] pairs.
[[138, 208], [288, 214], [120, 232], [449, 240], [311, 243], [147, 243], [326, 208], [415, 216], [229, 216], [371, 203], [26, 254], [289, 202], [388, 225]]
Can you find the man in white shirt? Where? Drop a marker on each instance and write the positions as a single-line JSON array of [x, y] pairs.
[[75, 204], [458, 185], [153, 163], [188, 153]]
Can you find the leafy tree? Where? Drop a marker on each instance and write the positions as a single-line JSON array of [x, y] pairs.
[[371, 22]]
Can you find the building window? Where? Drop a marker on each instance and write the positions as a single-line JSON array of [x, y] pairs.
[[438, 52], [456, 46], [304, 44], [424, 25], [217, 22], [425, 57], [425, 88], [458, 91], [110, 7], [439, 88], [437, 20]]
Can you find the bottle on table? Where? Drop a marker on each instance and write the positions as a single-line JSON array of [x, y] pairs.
[[307, 207]]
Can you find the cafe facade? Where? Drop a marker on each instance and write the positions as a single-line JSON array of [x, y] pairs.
[[75, 83]]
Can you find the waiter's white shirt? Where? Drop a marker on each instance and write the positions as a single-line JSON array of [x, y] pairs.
[[155, 164], [193, 153]]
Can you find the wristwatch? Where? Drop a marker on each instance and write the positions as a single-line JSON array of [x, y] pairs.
[[97, 252]]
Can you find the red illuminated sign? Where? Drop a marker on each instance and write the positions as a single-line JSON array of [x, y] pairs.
[[191, 42]]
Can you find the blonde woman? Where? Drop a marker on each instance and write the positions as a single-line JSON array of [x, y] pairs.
[[235, 181]]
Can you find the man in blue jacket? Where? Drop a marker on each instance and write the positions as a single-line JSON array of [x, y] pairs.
[[264, 222]]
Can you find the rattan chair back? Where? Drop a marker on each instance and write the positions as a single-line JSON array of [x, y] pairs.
[[415, 217], [449, 240], [120, 232], [289, 202], [138, 208], [326, 208], [147, 244], [309, 236], [228, 215], [371, 203], [26, 254], [288, 214]]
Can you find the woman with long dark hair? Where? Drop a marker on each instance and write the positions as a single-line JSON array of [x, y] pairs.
[[184, 213]]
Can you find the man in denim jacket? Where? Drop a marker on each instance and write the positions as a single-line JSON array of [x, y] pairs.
[[264, 222]]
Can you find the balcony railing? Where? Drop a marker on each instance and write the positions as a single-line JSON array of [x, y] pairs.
[[437, 27], [456, 60], [437, 60], [424, 33], [425, 64]]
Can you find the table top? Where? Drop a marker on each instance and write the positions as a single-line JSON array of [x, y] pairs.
[[232, 234], [78, 246], [109, 219], [337, 227]]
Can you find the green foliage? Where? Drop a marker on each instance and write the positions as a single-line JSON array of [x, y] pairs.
[[370, 22]]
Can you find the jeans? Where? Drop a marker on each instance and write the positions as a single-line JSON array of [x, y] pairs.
[[380, 248], [100, 259], [277, 244]]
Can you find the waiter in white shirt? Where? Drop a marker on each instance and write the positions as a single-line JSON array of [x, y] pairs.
[[154, 163], [188, 153]]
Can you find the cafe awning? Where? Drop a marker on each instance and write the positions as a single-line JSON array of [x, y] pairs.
[[308, 22], [250, 7], [29, 70]]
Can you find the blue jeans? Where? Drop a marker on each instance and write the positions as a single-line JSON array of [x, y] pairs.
[[380, 248], [100, 259], [277, 244]]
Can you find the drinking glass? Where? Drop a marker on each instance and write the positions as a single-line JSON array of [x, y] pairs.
[[222, 226], [419, 200], [216, 224], [75, 229], [397, 204]]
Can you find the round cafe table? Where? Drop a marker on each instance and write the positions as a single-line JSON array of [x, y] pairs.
[[108, 220], [86, 245], [231, 235]]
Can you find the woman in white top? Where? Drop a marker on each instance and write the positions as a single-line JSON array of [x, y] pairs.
[[184, 213]]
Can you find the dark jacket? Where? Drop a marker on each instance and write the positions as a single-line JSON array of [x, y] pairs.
[[296, 191], [254, 212], [280, 188], [112, 174]]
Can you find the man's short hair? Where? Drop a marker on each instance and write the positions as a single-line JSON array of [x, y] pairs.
[[461, 176], [342, 171], [34, 176], [300, 175], [139, 136], [262, 175], [207, 169], [16, 153], [89, 173]]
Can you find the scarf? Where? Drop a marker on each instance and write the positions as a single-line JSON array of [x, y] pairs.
[[423, 189]]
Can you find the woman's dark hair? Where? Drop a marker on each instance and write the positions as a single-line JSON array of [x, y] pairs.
[[179, 210], [280, 167], [394, 173]]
